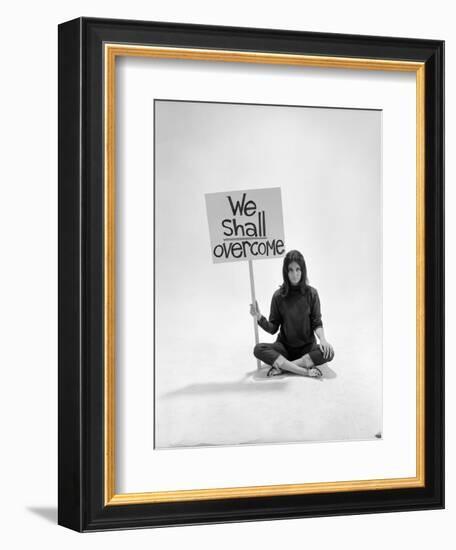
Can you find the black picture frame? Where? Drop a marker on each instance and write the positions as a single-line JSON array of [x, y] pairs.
[[81, 475]]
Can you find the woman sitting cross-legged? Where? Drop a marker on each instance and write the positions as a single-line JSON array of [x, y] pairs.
[[295, 309]]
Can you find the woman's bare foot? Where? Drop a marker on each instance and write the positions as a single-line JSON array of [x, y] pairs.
[[292, 366], [274, 371], [305, 361], [313, 372]]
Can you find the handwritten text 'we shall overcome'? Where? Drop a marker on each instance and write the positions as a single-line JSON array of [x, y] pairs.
[[245, 233]]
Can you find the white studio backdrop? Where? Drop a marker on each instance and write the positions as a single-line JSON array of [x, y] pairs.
[[28, 223], [327, 163], [192, 295]]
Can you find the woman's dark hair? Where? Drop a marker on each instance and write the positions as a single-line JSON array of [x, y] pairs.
[[294, 256]]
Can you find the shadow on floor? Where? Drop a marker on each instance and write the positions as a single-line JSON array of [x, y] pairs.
[[270, 384], [240, 386], [327, 371], [46, 512]]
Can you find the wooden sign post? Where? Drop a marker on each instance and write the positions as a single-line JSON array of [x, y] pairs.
[[252, 292], [246, 226]]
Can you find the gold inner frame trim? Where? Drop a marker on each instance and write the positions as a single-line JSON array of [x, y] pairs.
[[111, 52]]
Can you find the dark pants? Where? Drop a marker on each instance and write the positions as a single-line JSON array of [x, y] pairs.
[[268, 353]]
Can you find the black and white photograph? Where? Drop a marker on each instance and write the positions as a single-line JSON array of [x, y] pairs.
[[226, 235], [268, 274]]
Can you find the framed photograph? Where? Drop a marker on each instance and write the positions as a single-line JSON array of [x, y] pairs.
[[251, 274]]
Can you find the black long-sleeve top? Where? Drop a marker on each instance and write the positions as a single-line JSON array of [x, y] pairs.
[[297, 315]]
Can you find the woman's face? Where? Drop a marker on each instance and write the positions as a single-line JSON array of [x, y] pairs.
[[294, 273]]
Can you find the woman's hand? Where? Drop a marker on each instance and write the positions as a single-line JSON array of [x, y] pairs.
[[326, 348], [255, 310]]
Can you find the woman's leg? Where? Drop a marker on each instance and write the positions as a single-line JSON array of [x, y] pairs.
[[274, 355], [268, 353], [297, 367], [313, 357], [277, 356]]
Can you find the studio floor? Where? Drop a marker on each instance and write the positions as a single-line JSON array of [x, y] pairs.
[[236, 403]]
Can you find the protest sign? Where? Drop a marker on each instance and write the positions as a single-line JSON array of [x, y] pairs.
[[245, 225]]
